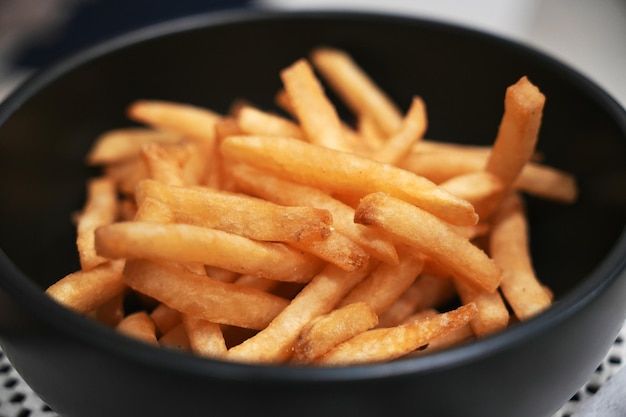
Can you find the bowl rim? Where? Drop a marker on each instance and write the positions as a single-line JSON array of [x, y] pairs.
[[18, 285]]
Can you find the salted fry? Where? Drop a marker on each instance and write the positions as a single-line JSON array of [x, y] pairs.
[[125, 143], [386, 283], [329, 330], [509, 248], [188, 243], [176, 338], [492, 314], [384, 344], [165, 318], [127, 174], [482, 189], [260, 183], [357, 88], [100, 208], [411, 131], [112, 311], [138, 326], [316, 114], [518, 132], [85, 290], [240, 214], [273, 344], [337, 249], [205, 338], [428, 235], [345, 173], [254, 121], [212, 300]]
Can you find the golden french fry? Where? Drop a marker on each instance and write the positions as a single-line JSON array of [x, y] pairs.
[[100, 208], [261, 183], [386, 283], [138, 326], [176, 338], [547, 182], [451, 338], [337, 249], [384, 344], [212, 300], [240, 214], [492, 315], [427, 291], [125, 143], [429, 235], [345, 173], [326, 331], [127, 174], [357, 88], [165, 318], [482, 189], [317, 115], [187, 243], [205, 338], [410, 132], [85, 290], [518, 131], [254, 121], [111, 312], [273, 344], [167, 163], [509, 248]]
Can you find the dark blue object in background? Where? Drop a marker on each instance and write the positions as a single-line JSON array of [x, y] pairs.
[[96, 20]]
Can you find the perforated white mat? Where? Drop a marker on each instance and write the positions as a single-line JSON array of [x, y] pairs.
[[18, 400]]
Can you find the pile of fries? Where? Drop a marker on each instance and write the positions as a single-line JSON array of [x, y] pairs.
[[295, 237]]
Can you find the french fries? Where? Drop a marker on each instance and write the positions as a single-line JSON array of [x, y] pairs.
[[303, 239]]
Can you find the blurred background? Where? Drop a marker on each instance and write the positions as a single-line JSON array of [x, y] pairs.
[[590, 35]]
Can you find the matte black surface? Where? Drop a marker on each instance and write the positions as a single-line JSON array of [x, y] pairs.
[[82, 369]]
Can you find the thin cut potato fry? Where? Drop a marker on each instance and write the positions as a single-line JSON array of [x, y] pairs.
[[427, 291], [316, 114], [430, 236], [338, 249], [240, 214], [482, 189], [127, 174], [254, 121], [165, 318], [386, 283], [188, 243], [446, 340], [85, 290], [111, 312], [273, 344], [167, 163], [327, 331], [175, 338], [509, 248], [203, 297], [205, 338], [138, 326], [100, 208], [411, 131], [356, 88], [346, 173], [517, 136], [492, 314], [384, 344], [125, 143], [263, 184]]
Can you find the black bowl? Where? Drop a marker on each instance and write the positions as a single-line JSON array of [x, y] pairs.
[[84, 369]]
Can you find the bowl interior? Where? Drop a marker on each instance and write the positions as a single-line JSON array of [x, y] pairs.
[[48, 126]]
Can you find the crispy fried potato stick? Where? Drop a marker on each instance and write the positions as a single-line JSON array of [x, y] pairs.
[[205, 338], [386, 283], [316, 114], [429, 235], [85, 290], [139, 326], [100, 208], [273, 344], [357, 88], [492, 315], [203, 297], [345, 173], [509, 248], [254, 121], [187, 243], [240, 214], [383, 344], [327, 331], [125, 143], [263, 184]]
